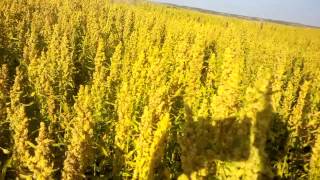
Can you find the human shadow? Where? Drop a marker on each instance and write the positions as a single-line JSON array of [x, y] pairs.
[[276, 144], [202, 142]]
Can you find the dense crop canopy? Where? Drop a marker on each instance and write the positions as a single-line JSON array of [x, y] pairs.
[[117, 90]]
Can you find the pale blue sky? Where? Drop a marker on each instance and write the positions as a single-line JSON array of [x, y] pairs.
[[299, 11]]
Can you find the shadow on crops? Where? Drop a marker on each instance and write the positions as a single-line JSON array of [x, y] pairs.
[[228, 140], [202, 142], [278, 137]]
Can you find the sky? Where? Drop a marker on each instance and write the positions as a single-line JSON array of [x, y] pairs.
[[298, 11]]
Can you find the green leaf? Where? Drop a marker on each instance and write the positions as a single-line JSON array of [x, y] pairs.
[[30, 104], [5, 151], [31, 144], [58, 144]]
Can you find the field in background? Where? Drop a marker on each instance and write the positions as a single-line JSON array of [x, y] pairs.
[[243, 17], [95, 89]]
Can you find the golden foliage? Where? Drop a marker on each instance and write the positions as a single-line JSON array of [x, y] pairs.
[[118, 90]]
